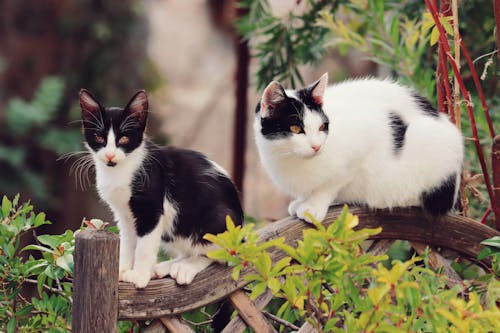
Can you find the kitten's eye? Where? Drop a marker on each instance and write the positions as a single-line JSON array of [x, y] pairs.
[[123, 140], [99, 139], [295, 129], [323, 127]]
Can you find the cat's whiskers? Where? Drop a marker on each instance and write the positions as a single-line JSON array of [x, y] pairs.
[[94, 125], [80, 169]]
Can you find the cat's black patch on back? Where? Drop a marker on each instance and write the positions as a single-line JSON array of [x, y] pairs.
[[426, 106], [285, 114], [201, 195], [440, 199], [398, 127]]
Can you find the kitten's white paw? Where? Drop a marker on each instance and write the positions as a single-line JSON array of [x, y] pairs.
[[139, 279], [122, 270], [292, 207], [184, 272], [162, 269], [317, 211]]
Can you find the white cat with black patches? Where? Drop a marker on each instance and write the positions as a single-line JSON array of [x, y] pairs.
[[166, 196], [365, 141]]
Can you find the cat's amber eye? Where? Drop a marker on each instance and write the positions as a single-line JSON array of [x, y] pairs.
[[99, 139], [123, 140], [323, 127], [295, 129]]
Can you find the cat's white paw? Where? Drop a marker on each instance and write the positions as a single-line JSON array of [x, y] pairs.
[[317, 211], [139, 279], [292, 207], [162, 269], [184, 272]]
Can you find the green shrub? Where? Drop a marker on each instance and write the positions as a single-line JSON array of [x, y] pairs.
[[330, 282], [51, 274]]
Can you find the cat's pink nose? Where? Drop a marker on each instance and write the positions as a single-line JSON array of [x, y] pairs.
[[109, 156], [316, 148]]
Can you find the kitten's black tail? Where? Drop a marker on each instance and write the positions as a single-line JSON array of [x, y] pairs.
[[223, 316], [441, 199]]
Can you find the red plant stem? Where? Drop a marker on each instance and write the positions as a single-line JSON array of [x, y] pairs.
[[485, 215], [466, 95], [496, 10], [475, 77], [495, 166]]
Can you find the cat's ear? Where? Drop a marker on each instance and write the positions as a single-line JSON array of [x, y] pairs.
[[273, 95], [91, 109], [318, 89], [137, 108]]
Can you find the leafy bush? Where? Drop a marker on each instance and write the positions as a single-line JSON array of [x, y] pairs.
[[51, 310], [328, 281], [51, 274]]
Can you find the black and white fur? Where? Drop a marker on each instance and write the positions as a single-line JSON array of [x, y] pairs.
[[166, 197], [365, 141]]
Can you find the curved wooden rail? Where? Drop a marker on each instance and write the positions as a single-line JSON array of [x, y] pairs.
[[164, 297]]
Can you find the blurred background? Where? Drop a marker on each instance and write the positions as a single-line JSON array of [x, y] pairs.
[[192, 62]]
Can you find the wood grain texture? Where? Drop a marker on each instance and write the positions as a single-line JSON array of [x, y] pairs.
[[237, 324], [95, 302], [250, 313], [164, 297], [176, 324]]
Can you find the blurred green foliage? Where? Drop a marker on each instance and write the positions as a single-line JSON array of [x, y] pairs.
[[103, 48], [32, 124]]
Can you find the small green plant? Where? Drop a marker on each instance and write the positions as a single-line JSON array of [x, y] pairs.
[[51, 310], [51, 272], [330, 282]]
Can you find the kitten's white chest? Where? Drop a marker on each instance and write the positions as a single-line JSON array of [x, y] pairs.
[[114, 187]]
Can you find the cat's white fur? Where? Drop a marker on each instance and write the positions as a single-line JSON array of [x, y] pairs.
[[138, 255], [356, 162]]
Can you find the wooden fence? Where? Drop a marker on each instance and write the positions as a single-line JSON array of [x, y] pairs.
[[100, 300]]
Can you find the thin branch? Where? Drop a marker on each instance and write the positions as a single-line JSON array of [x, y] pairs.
[[280, 321], [48, 288]]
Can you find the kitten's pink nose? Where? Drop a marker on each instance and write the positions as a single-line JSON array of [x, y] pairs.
[[109, 156], [316, 148]]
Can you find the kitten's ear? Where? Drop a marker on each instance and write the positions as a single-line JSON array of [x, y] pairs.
[[137, 107], [91, 108], [273, 95], [318, 89]]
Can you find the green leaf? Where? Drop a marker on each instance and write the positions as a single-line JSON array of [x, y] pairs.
[[40, 282], [37, 248], [11, 326], [52, 241], [6, 206], [434, 36], [25, 310], [493, 242], [65, 262], [257, 290]]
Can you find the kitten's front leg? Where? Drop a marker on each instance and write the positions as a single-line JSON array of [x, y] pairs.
[[315, 207], [184, 270], [292, 207], [146, 252], [128, 240]]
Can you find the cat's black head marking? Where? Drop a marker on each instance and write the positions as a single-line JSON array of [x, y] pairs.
[[127, 123], [282, 115]]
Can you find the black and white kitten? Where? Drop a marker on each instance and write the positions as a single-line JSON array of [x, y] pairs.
[[165, 197], [365, 141]]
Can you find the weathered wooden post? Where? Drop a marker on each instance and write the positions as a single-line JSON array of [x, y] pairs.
[[95, 300]]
